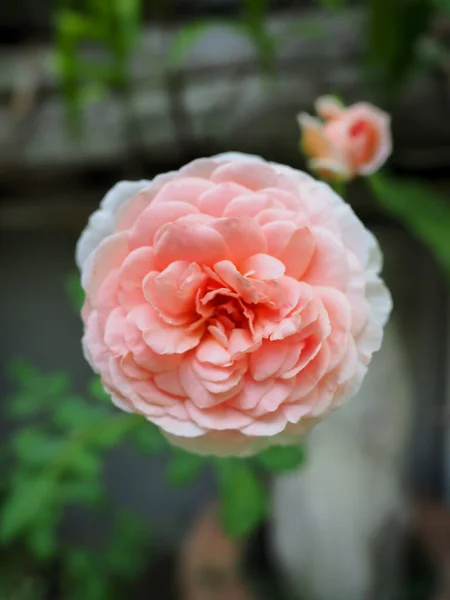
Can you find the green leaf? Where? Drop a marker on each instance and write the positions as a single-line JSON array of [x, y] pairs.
[[127, 551], [87, 492], [74, 290], [265, 46], [22, 372], [394, 28], [39, 392], [86, 577], [333, 4], [114, 429], [74, 413], [148, 439], [127, 14], [73, 27], [308, 27], [243, 498], [442, 5], [34, 446], [96, 389], [42, 539], [421, 209], [26, 502], [84, 462], [183, 468], [282, 458]]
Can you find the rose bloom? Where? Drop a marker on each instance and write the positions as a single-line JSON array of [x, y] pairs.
[[233, 303], [349, 142]]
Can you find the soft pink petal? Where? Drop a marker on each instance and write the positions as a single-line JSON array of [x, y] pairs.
[[212, 351], [339, 314], [248, 204], [109, 255], [165, 339], [215, 201], [252, 392], [263, 266], [194, 388], [154, 217], [271, 215], [267, 360], [252, 174], [183, 189], [169, 382], [218, 418], [298, 252], [114, 331], [135, 267], [176, 427], [310, 376], [273, 399], [328, 266], [266, 426], [198, 243], [277, 233], [242, 236]]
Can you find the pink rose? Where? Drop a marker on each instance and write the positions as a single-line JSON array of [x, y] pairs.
[[351, 141], [234, 303]]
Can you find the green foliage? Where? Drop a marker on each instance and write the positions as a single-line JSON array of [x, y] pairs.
[[442, 6], [54, 460], [74, 291], [186, 39], [394, 28], [421, 209], [282, 458], [252, 25], [243, 497], [183, 467], [332, 4], [111, 26], [148, 439]]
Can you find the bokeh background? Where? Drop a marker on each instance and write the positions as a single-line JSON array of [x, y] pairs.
[[94, 506]]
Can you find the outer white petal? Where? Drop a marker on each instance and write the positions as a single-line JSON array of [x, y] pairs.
[[101, 222]]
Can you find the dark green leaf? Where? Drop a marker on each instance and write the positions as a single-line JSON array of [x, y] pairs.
[[34, 446], [56, 385], [282, 458], [74, 413], [96, 389], [39, 392], [395, 27], [333, 4], [243, 498], [86, 576], [127, 14], [42, 539], [309, 27], [442, 5], [22, 372], [114, 429], [148, 439], [421, 209], [127, 549], [74, 290], [26, 502], [183, 468], [83, 461], [88, 492]]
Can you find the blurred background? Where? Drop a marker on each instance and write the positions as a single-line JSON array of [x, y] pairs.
[[94, 506]]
